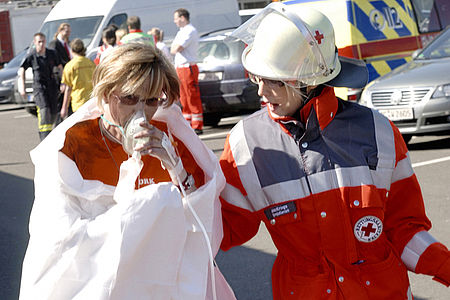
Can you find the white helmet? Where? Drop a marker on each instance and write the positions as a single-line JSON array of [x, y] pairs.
[[295, 43]]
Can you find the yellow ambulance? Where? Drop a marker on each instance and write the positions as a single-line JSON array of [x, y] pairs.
[[383, 33]]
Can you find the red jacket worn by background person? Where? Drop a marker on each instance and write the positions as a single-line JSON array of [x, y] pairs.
[[339, 199]]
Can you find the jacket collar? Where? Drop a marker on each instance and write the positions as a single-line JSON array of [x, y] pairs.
[[325, 106]]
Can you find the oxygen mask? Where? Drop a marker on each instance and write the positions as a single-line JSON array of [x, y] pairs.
[[132, 127]]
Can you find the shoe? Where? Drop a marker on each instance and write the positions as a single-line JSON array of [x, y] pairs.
[[198, 131]]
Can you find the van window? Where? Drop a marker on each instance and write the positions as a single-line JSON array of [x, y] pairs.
[[82, 28], [119, 20]]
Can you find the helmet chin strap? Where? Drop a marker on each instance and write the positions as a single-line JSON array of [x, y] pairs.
[[306, 97]]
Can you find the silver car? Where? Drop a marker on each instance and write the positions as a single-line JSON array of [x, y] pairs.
[[8, 78], [416, 96], [225, 88]]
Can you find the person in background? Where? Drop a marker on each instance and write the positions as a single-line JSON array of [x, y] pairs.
[[135, 34], [116, 187], [60, 44], [158, 34], [43, 61], [331, 180], [109, 42], [120, 33], [77, 78], [184, 47]]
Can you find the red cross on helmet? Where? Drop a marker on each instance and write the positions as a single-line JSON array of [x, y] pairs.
[[294, 43]]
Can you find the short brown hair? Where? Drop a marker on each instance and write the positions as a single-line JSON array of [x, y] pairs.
[[134, 22], [183, 12], [109, 34], [39, 34], [77, 46], [129, 67]]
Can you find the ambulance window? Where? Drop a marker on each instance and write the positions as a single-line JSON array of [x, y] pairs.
[[443, 9], [422, 8], [432, 15]]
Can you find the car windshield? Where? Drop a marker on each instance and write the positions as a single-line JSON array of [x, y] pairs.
[[438, 48], [82, 28], [17, 60]]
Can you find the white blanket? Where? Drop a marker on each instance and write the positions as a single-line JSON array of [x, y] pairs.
[[92, 241]]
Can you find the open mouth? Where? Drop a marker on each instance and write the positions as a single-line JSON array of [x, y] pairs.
[[272, 106]]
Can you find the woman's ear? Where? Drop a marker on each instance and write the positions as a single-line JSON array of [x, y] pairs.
[[106, 98]]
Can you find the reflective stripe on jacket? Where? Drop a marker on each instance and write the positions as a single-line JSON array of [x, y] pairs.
[[340, 201]]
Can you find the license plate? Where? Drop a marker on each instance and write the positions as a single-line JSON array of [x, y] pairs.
[[398, 114]]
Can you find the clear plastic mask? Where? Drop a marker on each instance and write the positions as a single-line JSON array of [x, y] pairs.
[[132, 127]]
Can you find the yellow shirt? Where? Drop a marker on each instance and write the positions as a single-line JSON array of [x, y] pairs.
[[78, 75]]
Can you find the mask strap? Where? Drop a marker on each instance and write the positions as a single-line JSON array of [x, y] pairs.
[[112, 124]]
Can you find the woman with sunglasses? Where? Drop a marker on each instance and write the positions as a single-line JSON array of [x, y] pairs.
[[331, 180], [126, 194]]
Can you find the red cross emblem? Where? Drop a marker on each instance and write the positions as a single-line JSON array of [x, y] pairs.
[[368, 229], [319, 36]]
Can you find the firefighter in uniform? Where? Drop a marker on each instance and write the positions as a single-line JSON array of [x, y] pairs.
[[331, 180]]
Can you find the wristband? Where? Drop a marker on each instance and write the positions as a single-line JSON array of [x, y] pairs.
[[188, 182]]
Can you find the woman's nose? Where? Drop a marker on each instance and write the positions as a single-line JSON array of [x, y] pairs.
[[262, 88]]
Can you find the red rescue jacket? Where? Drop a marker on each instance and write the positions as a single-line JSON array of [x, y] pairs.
[[338, 197]]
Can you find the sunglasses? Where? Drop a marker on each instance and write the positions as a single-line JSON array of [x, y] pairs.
[[133, 100], [257, 79]]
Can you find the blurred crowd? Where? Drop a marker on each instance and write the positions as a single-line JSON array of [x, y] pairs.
[[62, 74]]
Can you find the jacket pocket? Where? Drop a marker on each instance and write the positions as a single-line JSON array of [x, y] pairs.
[[387, 279]]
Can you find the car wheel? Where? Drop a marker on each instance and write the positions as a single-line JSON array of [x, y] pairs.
[[407, 138], [211, 119]]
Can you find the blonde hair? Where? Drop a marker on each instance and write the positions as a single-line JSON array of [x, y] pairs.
[[60, 28], [120, 33], [136, 68]]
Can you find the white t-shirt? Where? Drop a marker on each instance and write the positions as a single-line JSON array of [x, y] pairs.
[[187, 37], [105, 52]]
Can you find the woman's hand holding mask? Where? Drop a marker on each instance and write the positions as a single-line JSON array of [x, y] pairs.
[[159, 146]]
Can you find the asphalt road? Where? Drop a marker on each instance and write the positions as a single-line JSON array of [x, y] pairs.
[[247, 268]]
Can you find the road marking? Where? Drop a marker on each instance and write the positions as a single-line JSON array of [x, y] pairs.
[[429, 162], [23, 116]]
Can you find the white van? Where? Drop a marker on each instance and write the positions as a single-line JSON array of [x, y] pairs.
[[87, 18]]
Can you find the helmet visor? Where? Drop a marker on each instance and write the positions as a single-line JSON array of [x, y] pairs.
[[281, 46]]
